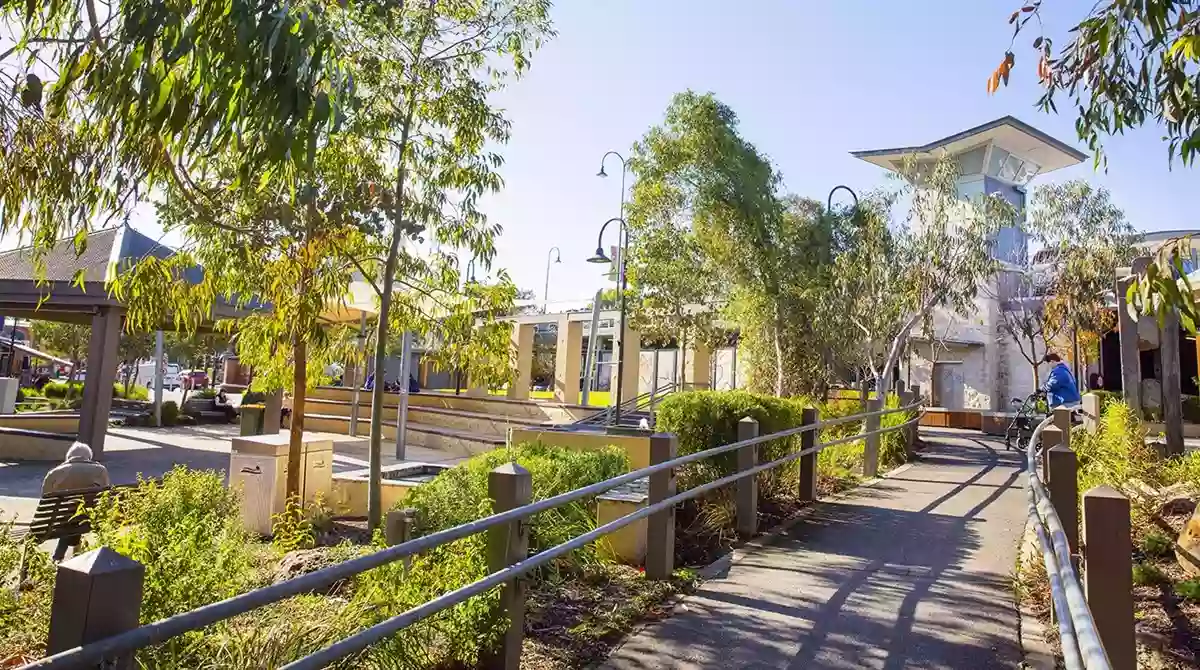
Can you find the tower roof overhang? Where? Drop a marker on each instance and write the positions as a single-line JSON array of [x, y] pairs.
[[1008, 132]]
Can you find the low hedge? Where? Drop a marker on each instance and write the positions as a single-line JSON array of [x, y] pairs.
[[706, 419]]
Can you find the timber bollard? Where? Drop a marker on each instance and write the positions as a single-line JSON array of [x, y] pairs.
[[509, 486], [746, 498], [660, 526], [96, 595], [871, 449], [1064, 490], [1052, 436], [1108, 573], [808, 462], [398, 525], [1091, 412], [1062, 419]]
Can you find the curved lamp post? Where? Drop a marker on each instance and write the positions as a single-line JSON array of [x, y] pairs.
[[557, 254], [835, 189], [601, 257]]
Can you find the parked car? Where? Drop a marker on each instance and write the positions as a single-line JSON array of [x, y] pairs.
[[194, 379], [171, 375]]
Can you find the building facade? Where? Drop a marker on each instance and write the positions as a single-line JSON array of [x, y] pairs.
[[968, 360]]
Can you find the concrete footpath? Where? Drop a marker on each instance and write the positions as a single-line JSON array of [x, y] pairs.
[[913, 571]]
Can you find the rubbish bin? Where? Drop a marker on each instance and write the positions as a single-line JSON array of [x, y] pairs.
[[252, 419], [258, 465]]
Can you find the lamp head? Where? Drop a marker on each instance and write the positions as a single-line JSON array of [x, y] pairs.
[[601, 173], [600, 257]]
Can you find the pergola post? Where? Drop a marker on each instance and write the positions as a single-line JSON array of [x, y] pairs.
[[566, 362], [522, 345], [101, 375], [697, 374], [630, 351]]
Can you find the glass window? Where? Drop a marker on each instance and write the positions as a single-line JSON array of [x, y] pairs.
[[997, 160], [971, 162]]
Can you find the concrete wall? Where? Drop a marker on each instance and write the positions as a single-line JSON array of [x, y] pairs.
[[636, 448]]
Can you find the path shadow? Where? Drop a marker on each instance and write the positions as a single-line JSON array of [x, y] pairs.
[[858, 584]]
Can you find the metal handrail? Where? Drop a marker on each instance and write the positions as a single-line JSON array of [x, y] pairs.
[[630, 405], [153, 633], [1081, 644]]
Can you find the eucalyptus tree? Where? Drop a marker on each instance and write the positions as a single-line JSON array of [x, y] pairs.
[[1124, 65], [429, 68], [894, 275], [104, 103], [284, 248]]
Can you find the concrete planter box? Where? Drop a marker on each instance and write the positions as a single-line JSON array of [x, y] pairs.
[[349, 493]]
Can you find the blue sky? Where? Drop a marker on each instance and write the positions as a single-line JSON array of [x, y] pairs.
[[810, 82]]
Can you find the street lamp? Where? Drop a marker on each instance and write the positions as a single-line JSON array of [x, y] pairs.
[[470, 273], [554, 251], [601, 257], [835, 189]]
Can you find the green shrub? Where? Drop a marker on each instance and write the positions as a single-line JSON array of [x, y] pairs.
[[170, 413], [205, 394], [59, 389], [136, 392], [460, 494], [1157, 545], [291, 529], [457, 496], [1147, 574], [1189, 588], [24, 610], [706, 419], [187, 531], [253, 398]]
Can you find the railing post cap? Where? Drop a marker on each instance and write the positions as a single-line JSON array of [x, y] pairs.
[[748, 419], [662, 436], [101, 561], [1104, 491], [511, 468], [1060, 448]]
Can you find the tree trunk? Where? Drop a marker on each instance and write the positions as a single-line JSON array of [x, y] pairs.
[[778, 356], [71, 380], [296, 432]]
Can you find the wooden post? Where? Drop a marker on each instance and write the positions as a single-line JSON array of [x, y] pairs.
[[909, 432], [272, 412], [1091, 412], [1172, 398], [1062, 419], [871, 446], [808, 464], [1052, 436], [746, 498], [96, 595], [1108, 573], [660, 526], [509, 486], [863, 393], [398, 525], [1064, 490], [1131, 360]]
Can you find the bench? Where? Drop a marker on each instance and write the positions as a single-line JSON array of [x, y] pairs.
[[58, 517], [206, 408]]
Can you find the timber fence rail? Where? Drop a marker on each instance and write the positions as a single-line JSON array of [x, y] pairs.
[[103, 632], [1094, 615]]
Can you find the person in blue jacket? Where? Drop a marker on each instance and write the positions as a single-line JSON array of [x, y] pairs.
[[1060, 386]]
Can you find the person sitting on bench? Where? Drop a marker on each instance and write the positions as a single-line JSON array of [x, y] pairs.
[[221, 403], [78, 471]]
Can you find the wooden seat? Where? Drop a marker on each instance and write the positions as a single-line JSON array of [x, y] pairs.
[[60, 516]]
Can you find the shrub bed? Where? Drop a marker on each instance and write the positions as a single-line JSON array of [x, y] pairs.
[[1167, 604], [186, 530]]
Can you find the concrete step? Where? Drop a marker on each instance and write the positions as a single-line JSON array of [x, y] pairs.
[[458, 442], [472, 422], [522, 410]]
